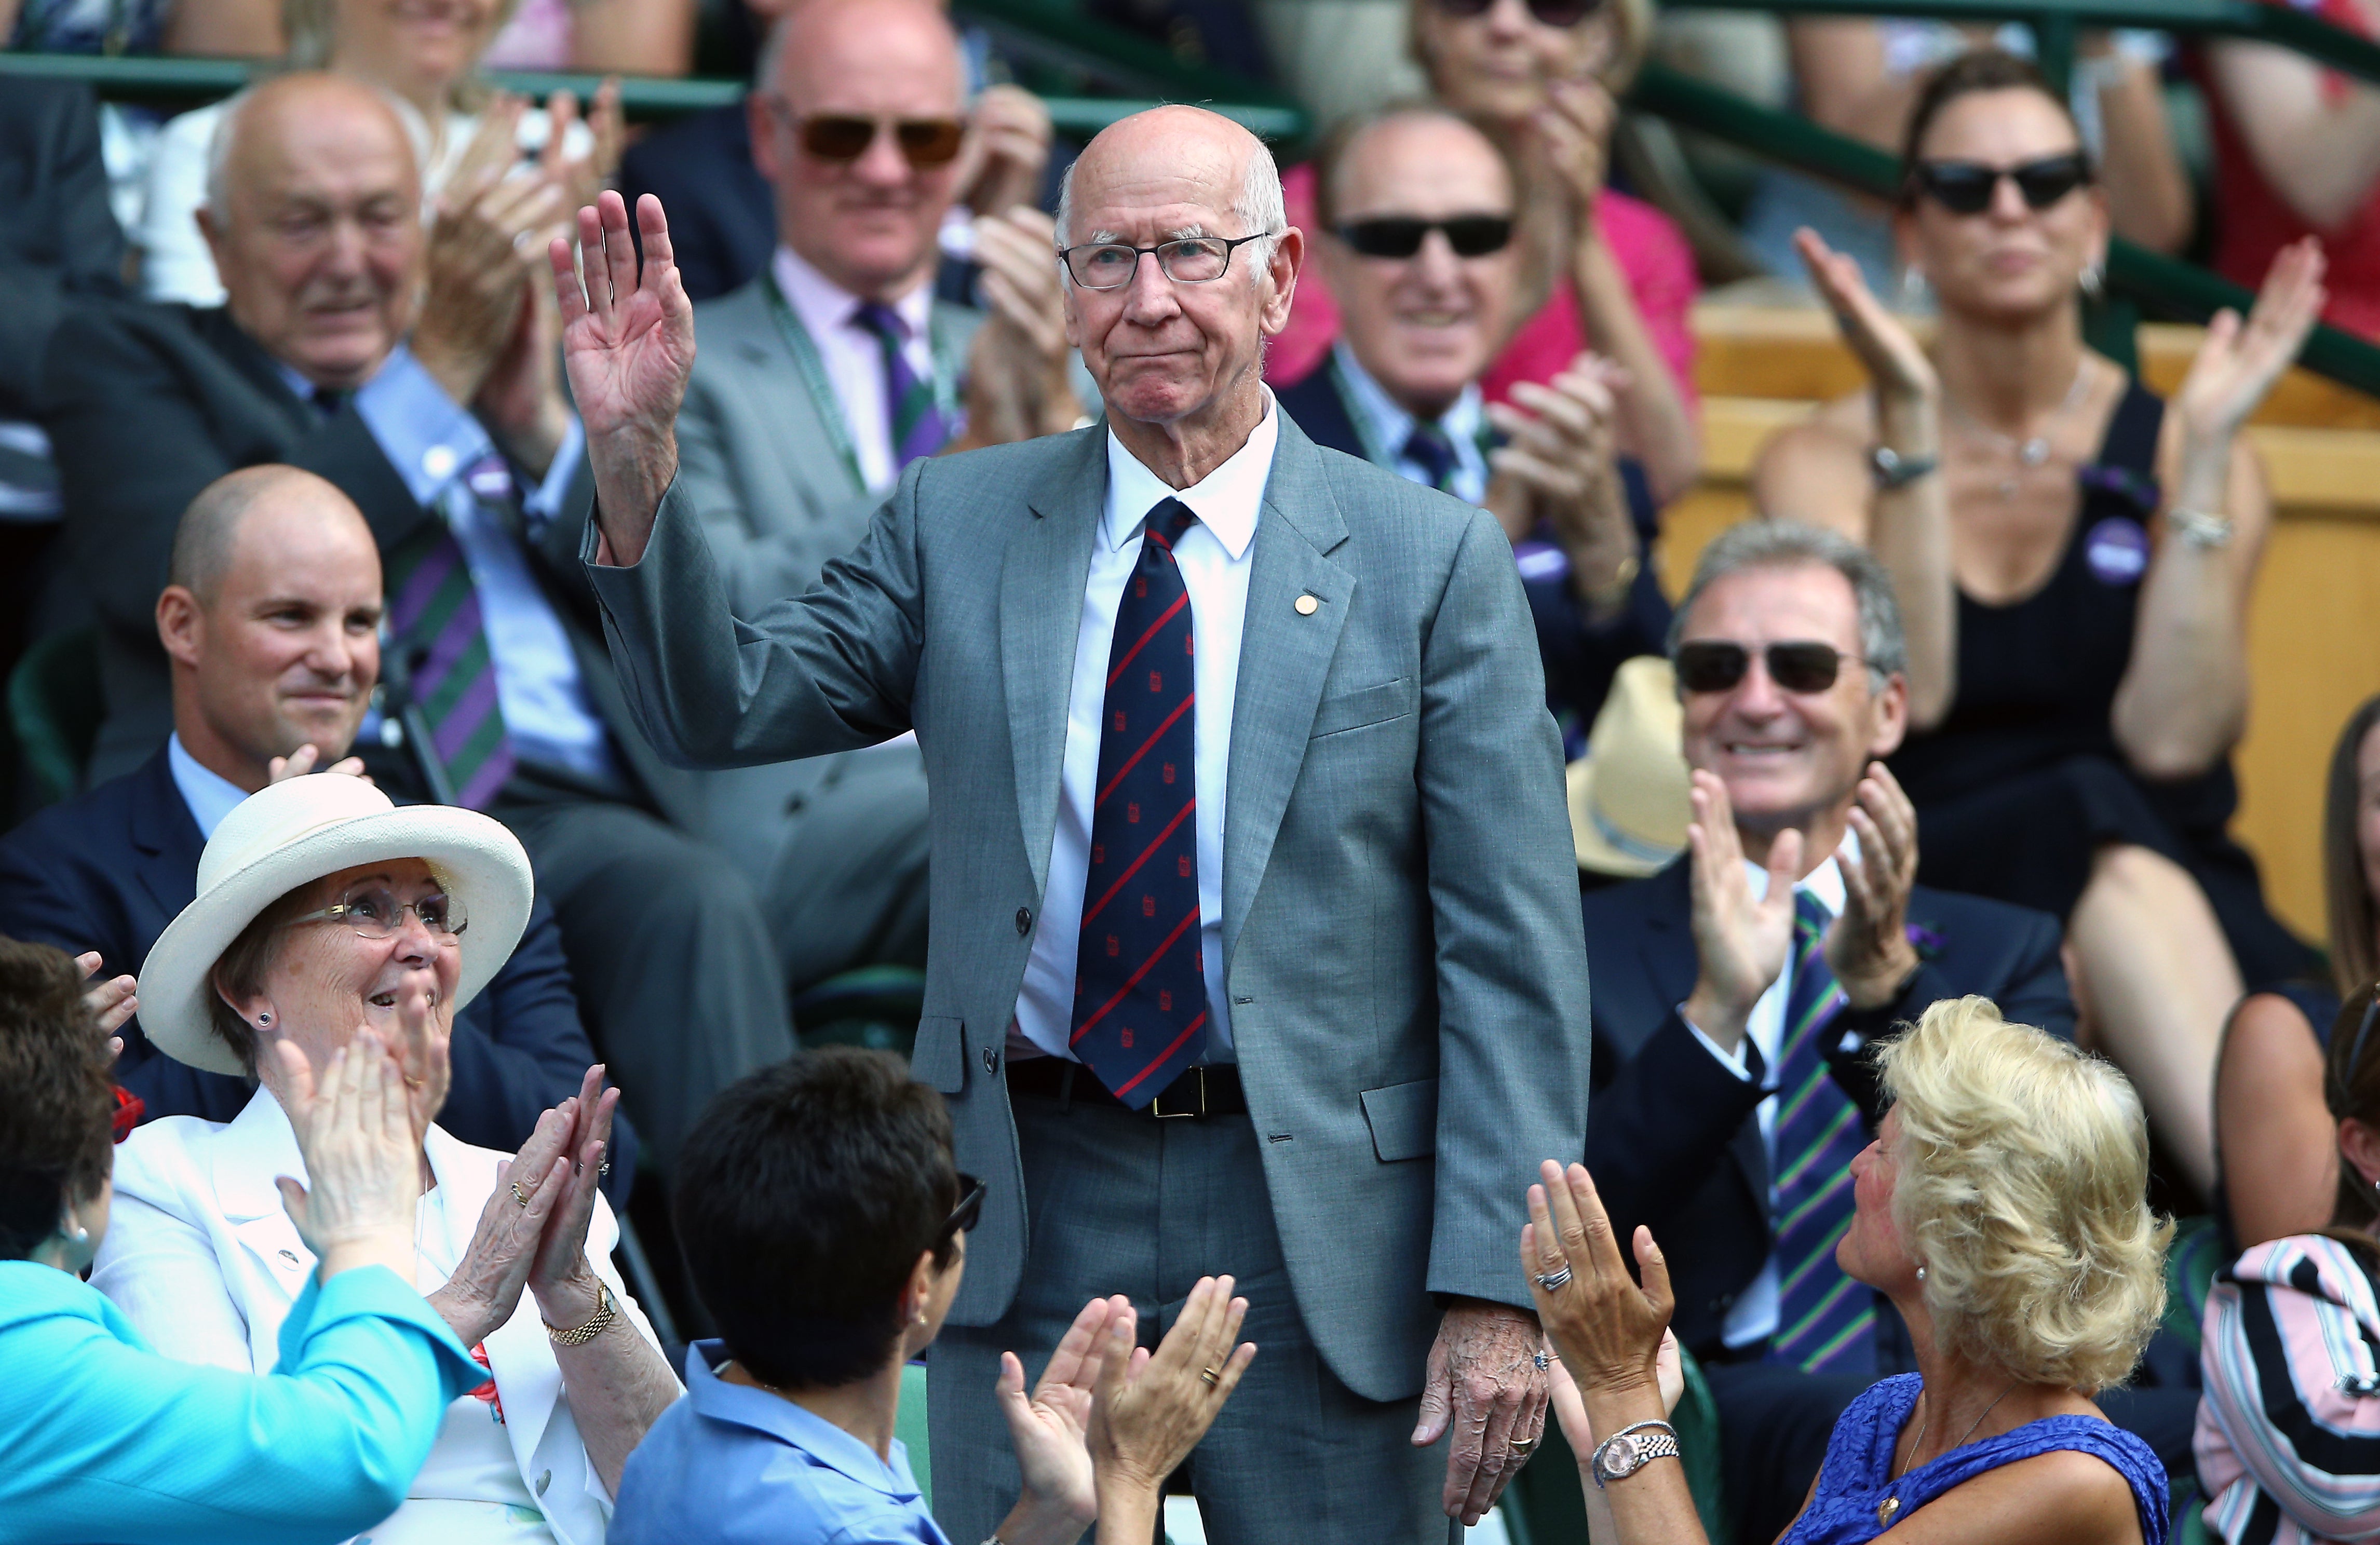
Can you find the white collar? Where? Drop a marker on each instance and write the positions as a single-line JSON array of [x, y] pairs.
[[825, 306], [210, 794], [1226, 501], [1826, 882], [1391, 426]]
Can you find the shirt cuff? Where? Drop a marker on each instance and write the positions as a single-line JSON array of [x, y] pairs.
[[427, 437], [544, 501], [1732, 1060]]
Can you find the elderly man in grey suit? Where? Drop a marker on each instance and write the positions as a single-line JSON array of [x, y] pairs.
[[1247, 811], [830, 371]]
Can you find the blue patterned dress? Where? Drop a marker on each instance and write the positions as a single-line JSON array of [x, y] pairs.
[[1857, 1476]]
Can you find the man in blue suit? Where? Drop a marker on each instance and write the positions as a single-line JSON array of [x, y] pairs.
[[272, 623], [1737, 992], [1421, 245]]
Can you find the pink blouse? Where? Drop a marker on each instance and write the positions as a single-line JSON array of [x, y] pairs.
[[1649, 249]]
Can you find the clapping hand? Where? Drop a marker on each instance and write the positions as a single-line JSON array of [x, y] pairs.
[[1607, 1330], [1869, 947], [2239, 364], [1740, 941], [1151, 1409], [1896, 366], [1559, 450], [486, 1286], [1006, 152], [1017, 384], [1575, 127], [1050, 1429], [362, 1157], [111, 1002], [302, 760], [561, 1276]]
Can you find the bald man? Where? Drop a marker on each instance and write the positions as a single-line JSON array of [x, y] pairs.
[[272, 621], [412, 372], [1256, 943]]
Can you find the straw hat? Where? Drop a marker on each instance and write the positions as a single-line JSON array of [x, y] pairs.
[[300, 830], [1628, 805]]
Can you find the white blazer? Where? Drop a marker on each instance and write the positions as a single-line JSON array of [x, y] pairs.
[[203, 1259]]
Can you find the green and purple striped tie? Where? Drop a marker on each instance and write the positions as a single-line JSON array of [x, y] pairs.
[[917, 421], [433, 617]]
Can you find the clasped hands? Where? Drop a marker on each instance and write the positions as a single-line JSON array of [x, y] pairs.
[[1741, 940], [1109, 1420]]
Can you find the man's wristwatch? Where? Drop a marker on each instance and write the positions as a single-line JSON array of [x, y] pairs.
[[1631, 1449]]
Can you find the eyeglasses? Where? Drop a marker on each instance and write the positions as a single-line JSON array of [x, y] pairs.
[[375, 913], [970, 1207], [1195, 260], [1968, 187], [1716, 665], [924, 142], [1401, 236], [1548, 13]]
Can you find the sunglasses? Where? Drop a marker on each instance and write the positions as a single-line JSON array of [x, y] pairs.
[[1716, 665], [924, 142], [1548, 13], [1401, 236], [1968, 187], [970, 1207]]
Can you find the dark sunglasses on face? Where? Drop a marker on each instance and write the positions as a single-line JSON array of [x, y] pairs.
[[924, 142], [1968, 187], [1548, 13], [1717, 665], [970, 1207], [1399, 236]]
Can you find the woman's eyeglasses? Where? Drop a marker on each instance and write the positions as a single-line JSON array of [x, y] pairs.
[[1399, 235], [375, 913], [1716, 665], [1548, 13], [970, 1207], [1967, 187], [924, 143], [1194, 259]]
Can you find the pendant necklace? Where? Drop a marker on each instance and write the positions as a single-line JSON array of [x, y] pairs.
[[2032, 450], [1891, 1505]]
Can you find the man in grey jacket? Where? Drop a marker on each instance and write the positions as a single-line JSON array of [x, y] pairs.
[[1247, 811]]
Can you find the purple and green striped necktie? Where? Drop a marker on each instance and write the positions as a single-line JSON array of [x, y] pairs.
[[1826, 1322], [918, 426], [434, 618]]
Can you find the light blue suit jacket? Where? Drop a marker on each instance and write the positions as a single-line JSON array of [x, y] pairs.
[[105, 1440]]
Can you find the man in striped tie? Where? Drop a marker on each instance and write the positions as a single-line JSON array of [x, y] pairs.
[[1738, 990]]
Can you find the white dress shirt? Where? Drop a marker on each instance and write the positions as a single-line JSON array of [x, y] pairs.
[[1386, 426], [1215, 555], [853, 357], [1754, 1314]]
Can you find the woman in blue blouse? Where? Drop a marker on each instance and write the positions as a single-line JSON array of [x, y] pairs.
[[108, 1441]]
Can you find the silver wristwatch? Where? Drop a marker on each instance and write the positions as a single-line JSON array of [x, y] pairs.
[[1631, 1449]]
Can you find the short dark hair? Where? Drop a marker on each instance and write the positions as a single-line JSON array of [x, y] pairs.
[[57, 1101], [240, 971], [802, 1202], [1980, 69]]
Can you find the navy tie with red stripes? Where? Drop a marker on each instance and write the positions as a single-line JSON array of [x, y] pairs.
[[1140, 993]]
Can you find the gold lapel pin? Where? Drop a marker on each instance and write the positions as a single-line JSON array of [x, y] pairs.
[[1306, 605]]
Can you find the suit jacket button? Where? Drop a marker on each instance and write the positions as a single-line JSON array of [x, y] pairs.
[[1024, 921], [991, 1060]]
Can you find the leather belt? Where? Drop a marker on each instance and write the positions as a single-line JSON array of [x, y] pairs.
[[1211, 1091]]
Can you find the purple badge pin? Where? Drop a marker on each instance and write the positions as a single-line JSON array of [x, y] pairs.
[[2118, 551]]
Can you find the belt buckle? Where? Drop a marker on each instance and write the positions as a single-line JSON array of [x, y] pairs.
[[1156, 1105]]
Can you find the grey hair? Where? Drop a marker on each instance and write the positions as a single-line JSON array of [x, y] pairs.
[[1260, 207], [219, 151], [1760, 543]]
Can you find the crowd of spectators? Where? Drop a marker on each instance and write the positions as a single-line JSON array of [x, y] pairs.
[[1920, 952]]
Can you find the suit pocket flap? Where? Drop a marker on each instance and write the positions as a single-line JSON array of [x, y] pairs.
[[1365, 705], [940, 1060], [1403, 1118]]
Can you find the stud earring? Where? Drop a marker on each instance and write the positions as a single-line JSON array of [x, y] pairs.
[[2094, 281], [262, 1020], [1921, 1274], [80, 1237]]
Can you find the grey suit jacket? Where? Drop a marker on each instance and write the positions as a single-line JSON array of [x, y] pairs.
[[1401, 935]]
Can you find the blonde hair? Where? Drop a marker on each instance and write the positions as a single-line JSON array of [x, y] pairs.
[[2021, 1188]]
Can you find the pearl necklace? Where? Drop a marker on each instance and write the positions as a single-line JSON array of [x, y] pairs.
[[2032, 450]]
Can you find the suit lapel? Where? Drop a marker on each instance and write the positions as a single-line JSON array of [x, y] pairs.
[[1042, 575], [257, 1146], [1285, 656], [770, 374], [166, 837]]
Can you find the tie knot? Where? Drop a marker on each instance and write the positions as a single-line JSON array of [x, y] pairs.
[[882, 321], [1168, 518], [328, 400], [1429, 448]]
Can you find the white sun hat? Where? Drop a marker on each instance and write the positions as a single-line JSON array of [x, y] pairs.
[[300, 830]]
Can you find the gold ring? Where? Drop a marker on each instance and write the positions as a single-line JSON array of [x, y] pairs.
[[516, 1193], [1523, 1447], [1212, 1377]]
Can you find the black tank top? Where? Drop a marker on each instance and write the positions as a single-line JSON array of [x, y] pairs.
[[2037, 677]]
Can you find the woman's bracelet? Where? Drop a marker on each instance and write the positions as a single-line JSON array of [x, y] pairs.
[[606, 1311], [2198, 528]]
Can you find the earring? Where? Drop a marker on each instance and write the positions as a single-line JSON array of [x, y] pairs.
[[2094, 281], [80, 1237], [1921, 1274]]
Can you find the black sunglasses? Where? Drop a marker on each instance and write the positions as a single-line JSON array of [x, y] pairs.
[[1401, 236], [1967, 187], [970, 1207], [1716, 665], [1549, 13]]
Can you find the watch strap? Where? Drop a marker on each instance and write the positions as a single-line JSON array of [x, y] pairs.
[[1660, 1443], [1894, 470]]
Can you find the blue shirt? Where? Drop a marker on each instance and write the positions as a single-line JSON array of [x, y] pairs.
[[730, 1464], [1387, 427], [210, 794], [441, 450]]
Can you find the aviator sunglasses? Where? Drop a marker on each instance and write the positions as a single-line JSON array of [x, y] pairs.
[[1967, 187], [1399, 236], [924, 142], [1548, 13], [1717, 665]]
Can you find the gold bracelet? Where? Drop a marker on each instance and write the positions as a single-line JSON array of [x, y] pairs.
[[606, 1311]]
